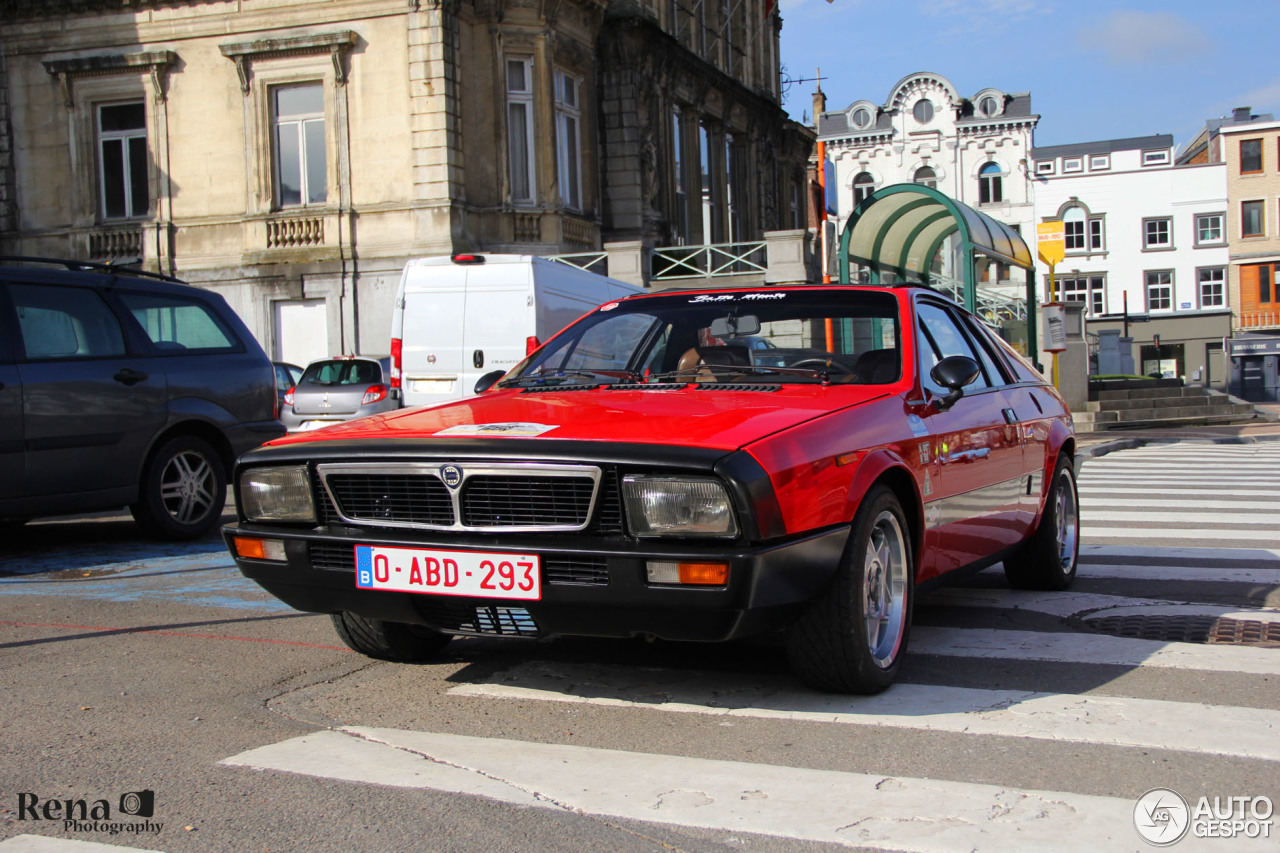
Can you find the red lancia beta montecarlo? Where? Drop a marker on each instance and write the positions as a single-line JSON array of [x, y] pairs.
[[689, 465]]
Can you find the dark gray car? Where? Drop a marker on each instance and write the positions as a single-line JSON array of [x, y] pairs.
[[339, 389], [119, 388]]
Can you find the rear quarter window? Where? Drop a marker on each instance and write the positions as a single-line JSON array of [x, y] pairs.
[[179, 324], [65, 322]]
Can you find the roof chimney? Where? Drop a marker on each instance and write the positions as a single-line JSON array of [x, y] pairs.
[[819, 100], [1242, 115]]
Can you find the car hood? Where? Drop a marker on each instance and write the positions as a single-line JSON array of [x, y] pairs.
[[706, 416]]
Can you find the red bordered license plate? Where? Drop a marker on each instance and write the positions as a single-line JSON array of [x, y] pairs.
[[481, 574]]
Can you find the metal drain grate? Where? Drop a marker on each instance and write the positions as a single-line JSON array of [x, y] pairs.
[[1190, 629]]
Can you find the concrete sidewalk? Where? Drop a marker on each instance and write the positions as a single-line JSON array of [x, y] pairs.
[[1102, 443]]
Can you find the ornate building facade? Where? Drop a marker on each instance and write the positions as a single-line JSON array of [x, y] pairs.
[[292, 154]]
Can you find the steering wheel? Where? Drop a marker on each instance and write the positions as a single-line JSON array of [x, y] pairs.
[[822, 364]]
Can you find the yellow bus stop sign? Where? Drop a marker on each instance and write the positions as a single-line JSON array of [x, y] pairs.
[[1051, 242]]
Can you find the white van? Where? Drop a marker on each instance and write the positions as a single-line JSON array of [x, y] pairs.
[[458, 318]]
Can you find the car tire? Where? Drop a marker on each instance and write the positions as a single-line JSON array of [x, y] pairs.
[[393, 641], [183, 490], [853, 638], [1048, 559]]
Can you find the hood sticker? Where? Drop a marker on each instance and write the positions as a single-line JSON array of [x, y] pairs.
[[499, 429]]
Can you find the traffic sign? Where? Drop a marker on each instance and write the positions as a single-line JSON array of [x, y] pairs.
[[1051, 242]]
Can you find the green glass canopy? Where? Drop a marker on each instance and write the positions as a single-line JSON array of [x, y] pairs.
[[898, 231]]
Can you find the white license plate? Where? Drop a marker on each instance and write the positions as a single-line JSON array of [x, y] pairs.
[[482, 574], [431, 386], [307, 425]]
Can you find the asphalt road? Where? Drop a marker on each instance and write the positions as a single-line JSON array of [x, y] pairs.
[[129, 666]]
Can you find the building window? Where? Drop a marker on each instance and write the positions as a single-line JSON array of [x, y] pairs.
[[1099, 162], [926, 177], [1211, 283], [863, 186], [1046, 167], [680, 216], [569, 140], [1157, 233], [796, 221], [122, 160], [1082, 232], [861, 118], [733, 184], [990, 184], [1252, 222], [923, 111], [710, 188], [1073, 164], [1160, 290], [1209, 231], [520, 146], [1155, 158], [1250, 156], [1089, 289], [988, 107], [298, 128]]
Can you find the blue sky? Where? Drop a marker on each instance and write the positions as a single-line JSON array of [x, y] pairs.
[[1096, 69]]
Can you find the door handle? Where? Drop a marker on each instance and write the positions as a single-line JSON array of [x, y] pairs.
[[130, 377], [477, 358]]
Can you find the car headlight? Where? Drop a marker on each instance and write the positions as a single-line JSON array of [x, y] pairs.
[[276, 494], [678, 506]]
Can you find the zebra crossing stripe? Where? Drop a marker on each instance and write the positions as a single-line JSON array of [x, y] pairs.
[[1237, 535], [1092, 649], [1099, 553], [1222, 520], [828, 806], [1087, 719], [1198, 574], [44, 844]]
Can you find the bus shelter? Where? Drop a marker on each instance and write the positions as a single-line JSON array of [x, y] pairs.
[[914, 233]]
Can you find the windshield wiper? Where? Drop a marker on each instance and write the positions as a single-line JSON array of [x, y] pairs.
[[565, 377], [690, 372]]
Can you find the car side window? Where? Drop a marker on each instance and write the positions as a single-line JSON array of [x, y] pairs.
[[981, 337], [177, 324], [65, 322], [941, 337]]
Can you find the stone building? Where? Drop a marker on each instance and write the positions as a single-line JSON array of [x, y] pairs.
[[291, 154]]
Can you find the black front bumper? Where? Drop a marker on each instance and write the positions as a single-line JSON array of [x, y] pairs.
[[590, 587]]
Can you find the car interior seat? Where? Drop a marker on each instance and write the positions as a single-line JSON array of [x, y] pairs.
[[877, 366], [733, 354]]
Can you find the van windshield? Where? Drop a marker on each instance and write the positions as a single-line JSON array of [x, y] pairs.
[[774, 336]]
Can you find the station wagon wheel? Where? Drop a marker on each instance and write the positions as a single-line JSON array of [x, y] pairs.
[[183, 490], [393, 641], [852, 639], [1048, 559]]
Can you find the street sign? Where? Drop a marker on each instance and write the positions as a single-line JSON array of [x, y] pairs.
[[1051, 242]]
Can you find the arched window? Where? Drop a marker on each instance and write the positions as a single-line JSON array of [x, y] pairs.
[[990, 184], [1073, 222], [926, 176], [863, 186]]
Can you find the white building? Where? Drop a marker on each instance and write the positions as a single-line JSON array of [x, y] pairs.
[[974, 149], [1146, 235]]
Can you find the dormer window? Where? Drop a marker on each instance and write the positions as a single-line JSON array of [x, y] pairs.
[[988, 106], [861, 118], [923, 111]]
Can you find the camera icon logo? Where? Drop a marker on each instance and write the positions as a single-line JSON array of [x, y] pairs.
[[138, 803]]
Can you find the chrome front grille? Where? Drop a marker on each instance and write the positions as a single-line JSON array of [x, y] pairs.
[[490, 497]]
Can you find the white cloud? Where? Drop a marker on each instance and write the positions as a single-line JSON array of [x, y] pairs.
[[1140, 38]]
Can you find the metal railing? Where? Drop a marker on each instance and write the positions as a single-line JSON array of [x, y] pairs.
[[992, 306], [710, 261], [596, 262]]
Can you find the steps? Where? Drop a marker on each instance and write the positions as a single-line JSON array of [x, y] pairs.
[[1159, 403]]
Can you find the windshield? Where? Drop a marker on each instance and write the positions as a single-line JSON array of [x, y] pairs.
[[773, 336]]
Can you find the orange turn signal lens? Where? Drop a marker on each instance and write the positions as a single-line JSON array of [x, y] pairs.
[[699, 574], [259, 549]]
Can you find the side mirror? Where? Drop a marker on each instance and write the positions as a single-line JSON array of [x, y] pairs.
[[484, 383], [954, 372]]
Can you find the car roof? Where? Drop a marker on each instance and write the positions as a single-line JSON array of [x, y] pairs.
[[54, 271]]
